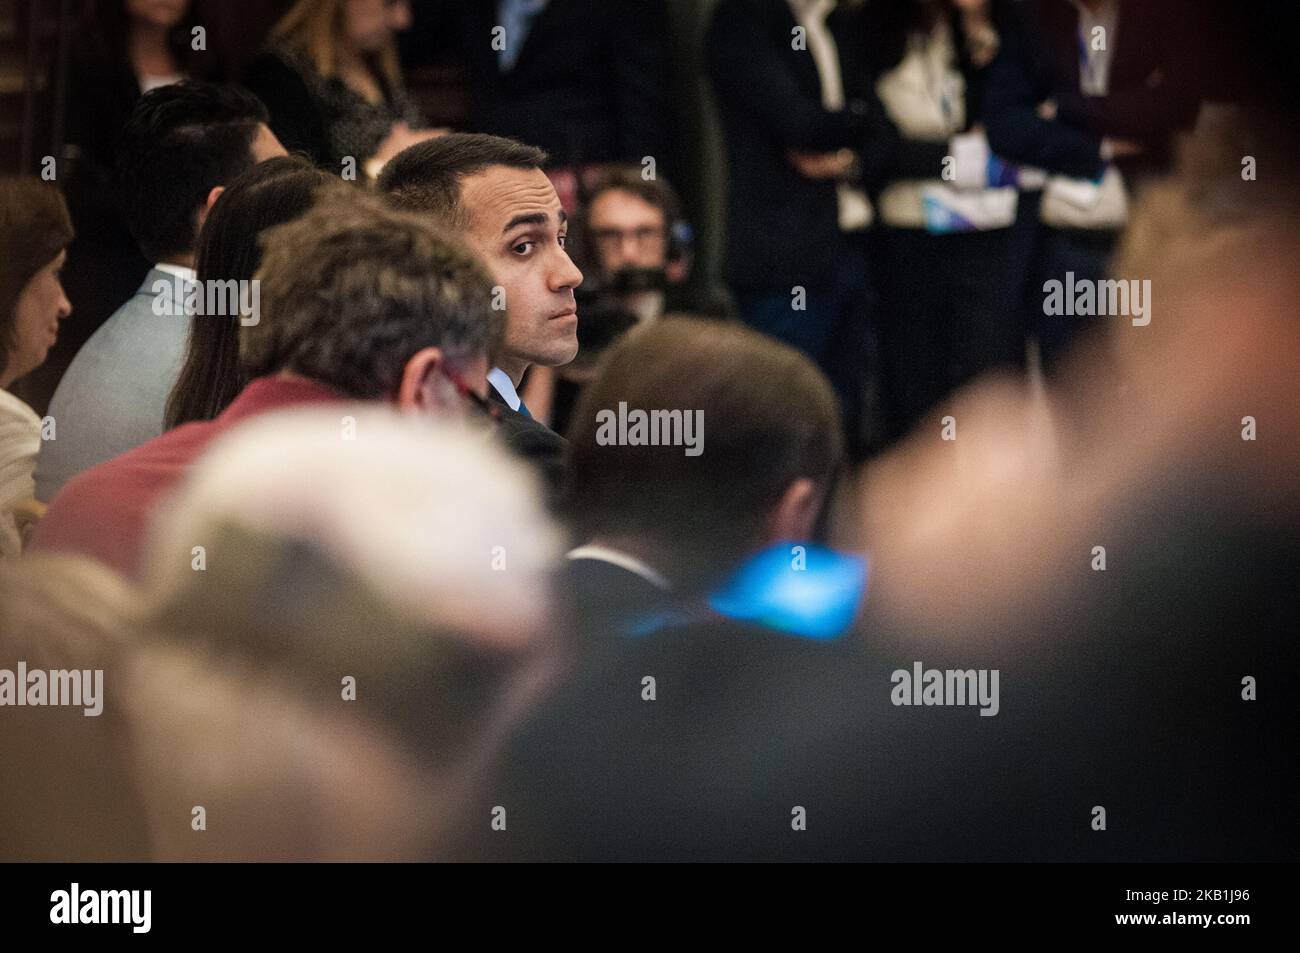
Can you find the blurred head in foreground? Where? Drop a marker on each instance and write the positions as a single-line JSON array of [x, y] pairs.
[[999, 512], [66, 791], [1124, 549], [380, 578]]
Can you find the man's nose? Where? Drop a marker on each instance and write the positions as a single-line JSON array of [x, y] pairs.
[[566, 273]]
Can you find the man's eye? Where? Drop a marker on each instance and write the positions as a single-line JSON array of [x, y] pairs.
[[523, 248]]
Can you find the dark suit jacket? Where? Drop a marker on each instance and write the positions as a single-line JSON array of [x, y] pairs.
[[322, 117], [1157, 71], [782, 228], [537, 443], [297, 117], [1124, 692], [608, 602], [707, 770], [590, 84]]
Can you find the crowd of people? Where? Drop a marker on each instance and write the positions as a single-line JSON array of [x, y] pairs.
[[410, 493]]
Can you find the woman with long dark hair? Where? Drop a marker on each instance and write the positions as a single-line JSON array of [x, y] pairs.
[[271, 193]]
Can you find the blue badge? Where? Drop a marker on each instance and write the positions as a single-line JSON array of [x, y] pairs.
[[798, 588]]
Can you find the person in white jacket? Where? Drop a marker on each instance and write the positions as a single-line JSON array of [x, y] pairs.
[[35, 231]]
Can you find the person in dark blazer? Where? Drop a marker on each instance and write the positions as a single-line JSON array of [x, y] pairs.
[[716, 741], [1095, 92], [802, 130], [1152, 89], [1122, 689], [532, 440], [492, 193], [585, 80], [666, 517]]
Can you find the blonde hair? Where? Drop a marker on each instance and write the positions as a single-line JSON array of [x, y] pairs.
[[282, 774], [316, 28], [67, 790]]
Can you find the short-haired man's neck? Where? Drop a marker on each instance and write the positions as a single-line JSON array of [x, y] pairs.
[[690, 570], [148, 44], [659, 559], [696, 560], [514, 367], [179, 260]]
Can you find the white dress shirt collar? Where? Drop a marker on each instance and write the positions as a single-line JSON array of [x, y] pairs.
[[500, 380], [622, 560], [180, 271]]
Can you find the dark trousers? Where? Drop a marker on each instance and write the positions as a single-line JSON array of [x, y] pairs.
[[949, 311], [1085, 253], [833, 327]]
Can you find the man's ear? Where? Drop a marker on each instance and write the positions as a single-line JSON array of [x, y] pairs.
[[795, 515], [212, 200], [421, 383]]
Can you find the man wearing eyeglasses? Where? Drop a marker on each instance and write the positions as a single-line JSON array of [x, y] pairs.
[[636, 240]]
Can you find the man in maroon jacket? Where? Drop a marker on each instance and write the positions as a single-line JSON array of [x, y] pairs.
[[358, 303]]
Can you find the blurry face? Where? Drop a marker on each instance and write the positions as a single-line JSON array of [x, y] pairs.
[[518, 229], [160, 13], [371, 24], [41, 306], [627, 232]]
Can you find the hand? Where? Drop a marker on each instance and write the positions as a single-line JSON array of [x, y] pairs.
[[823, 165]]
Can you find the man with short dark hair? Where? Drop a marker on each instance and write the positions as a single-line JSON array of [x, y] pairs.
[[666, 702], [181, 145], [369, 304], [493, 192], [737, 447]]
